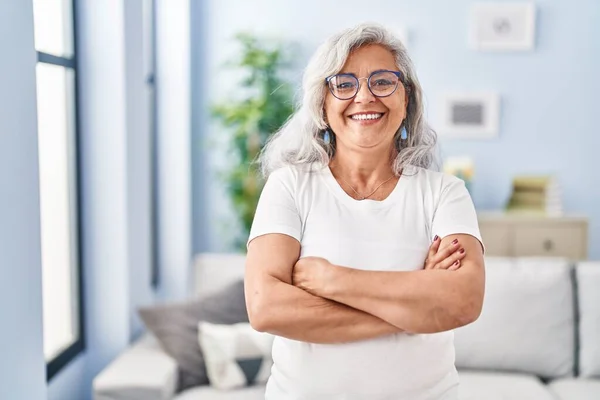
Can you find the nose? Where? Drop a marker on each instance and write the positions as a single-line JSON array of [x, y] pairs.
[[364, 95]]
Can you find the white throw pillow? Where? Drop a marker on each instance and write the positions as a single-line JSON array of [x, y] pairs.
[[527, 321], [235, 355], [588, 282]]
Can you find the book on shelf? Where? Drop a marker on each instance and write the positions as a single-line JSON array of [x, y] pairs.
[[536, 195]]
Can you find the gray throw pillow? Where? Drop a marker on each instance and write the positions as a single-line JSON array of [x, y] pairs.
[[175, 326]]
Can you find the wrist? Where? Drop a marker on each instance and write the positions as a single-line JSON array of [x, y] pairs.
[[335, 281]]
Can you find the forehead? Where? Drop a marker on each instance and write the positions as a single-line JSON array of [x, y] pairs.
[[367, 59]]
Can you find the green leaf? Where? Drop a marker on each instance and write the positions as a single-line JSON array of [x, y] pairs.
[[249, 121]]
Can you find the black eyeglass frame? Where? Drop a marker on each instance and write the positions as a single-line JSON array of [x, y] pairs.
[[397, 73]]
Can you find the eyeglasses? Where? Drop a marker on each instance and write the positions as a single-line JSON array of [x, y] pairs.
[[380, 83]]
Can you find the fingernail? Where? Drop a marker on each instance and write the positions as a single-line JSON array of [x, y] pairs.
[[456, 262], [436, 238], [455, 241], [461, 251]]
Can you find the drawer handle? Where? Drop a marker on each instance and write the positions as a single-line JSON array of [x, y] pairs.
[[548, 245]]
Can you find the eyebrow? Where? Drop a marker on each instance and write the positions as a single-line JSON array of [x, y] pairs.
[[372, 72]]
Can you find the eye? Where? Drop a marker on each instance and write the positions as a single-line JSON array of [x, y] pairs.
[[382, 82], [344, 85]]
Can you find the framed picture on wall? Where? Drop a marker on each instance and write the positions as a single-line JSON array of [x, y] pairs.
[[502, 26], [469, 115]]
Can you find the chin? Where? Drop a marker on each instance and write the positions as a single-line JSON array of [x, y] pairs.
[[369, 139], [370, 143]]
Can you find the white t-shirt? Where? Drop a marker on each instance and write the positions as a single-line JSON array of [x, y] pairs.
[[393, 235]]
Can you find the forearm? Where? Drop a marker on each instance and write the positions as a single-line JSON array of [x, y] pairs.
[[295, 314], [424, 301]]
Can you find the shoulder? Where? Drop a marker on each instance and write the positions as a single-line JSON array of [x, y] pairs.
[[296, 174], [436, 180], [295, 178], [283, 174]]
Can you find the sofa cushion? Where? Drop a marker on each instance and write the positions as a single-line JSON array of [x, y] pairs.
[[210, 393], [588, 283], [235, 355], [576, 389], [500, 386], [215, 271], [142, 372], [175, 325], [527, 321]]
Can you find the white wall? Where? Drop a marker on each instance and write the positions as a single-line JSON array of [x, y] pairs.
[[139, 187], [103, 134], [22, 369], [174, 145], [71, 383]]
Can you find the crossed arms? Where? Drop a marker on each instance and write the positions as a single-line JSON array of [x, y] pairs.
[[312, 300]]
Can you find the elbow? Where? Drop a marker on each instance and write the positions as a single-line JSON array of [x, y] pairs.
[[263, 306], [258, 322], [258, 315], [469, 311], [471, 304]]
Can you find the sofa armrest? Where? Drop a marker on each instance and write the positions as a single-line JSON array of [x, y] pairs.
[[143, 371]]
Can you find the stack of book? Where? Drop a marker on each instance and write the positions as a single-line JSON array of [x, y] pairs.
[[535, 194]]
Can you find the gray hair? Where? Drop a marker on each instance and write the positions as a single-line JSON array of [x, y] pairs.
[[300, 140]]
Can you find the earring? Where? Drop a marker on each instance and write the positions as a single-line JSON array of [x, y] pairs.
[[327, 137], [403, 133]]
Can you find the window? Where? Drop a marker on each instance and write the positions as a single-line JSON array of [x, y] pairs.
[[59, 186], [149, 51]]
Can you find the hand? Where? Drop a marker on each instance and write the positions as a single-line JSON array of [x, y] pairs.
[[448, 258], [313, 274]]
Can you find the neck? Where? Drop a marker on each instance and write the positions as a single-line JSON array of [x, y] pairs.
[[362, 169]]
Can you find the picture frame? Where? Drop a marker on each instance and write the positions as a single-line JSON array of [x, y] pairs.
[[469, 115], [502, 26]]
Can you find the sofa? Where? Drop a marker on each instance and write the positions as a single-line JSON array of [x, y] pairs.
[[538, 338]]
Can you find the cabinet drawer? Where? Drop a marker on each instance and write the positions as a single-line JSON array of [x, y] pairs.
[[496, 239], [550, 240]]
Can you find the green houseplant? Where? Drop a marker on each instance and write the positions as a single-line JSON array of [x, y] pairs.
[[263, 102]]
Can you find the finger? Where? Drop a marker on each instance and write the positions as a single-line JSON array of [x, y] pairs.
[[430, 260], [446, 252], [449, 261], [435, 245], [454, 266]]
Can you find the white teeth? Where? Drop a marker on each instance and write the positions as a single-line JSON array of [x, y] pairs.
[[366, 116]]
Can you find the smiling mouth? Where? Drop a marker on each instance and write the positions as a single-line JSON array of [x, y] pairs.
[[366, 117]]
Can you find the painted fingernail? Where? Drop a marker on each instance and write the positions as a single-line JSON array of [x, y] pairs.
[[461, 251], [455, 241], [456, 262], [436, 238]]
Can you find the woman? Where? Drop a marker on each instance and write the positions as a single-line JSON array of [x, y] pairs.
[[361, 260]]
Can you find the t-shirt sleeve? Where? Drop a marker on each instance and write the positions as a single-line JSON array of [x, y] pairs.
[[455, 212], [276, 211]]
